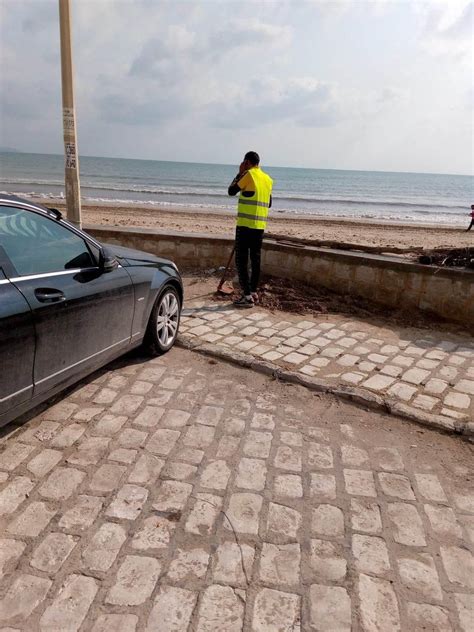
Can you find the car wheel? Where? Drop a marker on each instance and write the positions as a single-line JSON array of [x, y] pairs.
[[164, 322]]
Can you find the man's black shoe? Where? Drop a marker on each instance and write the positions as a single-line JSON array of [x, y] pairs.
[[244, 302]]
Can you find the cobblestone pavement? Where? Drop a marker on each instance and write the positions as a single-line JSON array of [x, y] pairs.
[[184, 494], [430, 371]]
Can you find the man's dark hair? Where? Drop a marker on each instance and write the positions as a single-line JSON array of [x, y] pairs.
[[252, 157]]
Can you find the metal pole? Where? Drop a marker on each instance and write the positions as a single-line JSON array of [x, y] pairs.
[[73, 189]]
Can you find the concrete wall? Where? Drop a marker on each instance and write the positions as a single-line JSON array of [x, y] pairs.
[[386, 280]]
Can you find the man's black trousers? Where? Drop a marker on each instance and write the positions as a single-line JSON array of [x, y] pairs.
[[248, 241]]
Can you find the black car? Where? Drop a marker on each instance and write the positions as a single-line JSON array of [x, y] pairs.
[[69, 304]]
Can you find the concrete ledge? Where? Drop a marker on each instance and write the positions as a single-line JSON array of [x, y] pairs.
[[356, 395], [390, 281]]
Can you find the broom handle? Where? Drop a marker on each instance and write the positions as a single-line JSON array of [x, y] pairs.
[[226, 269]]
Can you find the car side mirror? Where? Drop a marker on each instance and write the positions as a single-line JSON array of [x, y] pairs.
[[107, 260]]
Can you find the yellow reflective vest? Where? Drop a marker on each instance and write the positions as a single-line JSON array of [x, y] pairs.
[[252, 212]]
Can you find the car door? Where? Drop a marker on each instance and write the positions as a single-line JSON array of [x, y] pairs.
[[80, 314], [17, 346]]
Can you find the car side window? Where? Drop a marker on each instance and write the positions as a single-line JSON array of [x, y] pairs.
[[37, 244]]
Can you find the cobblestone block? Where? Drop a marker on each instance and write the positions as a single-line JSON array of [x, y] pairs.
[[116, 622], [320, 456], [102, 550], [51, 554], [288, 485], [175, 419], [457, 400], [13, 455], [233, 564], [62, 483], [283, 522], [215, 475], [83, 514], [365, 516], [402, 391], [323, 486], [465, 608], [33, 520], [258, 444], [430, 487], [459, 565], [378, 382], [359, 482], [327, 520], [251, 474], [89, 451], [378, 605], [68, 437], [407, 523], [354, 456], [419, 575], [199, 436], [172, 496], [330, 609], [280, 564], [163, 441], [262, 421], [209, 415], [422, 616], [127, 405], [71, 605], [178, 471], [244, 513], [128, 503], [220, 609], [10, 551], [123, 455], [136, 579], [109, 425], [107, 478], [370, 554], [22, 597], [131, 438], [172, 610], [443, 521], [288, 458], [326, 562], [204, 514], [146, 470], [155, 533], [188, 565], [396, 485], [275, 611], [388, 459]]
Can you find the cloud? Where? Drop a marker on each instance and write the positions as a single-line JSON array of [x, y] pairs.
[[448, 28], [303, 101]]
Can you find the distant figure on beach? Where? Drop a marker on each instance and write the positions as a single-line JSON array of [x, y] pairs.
[[472, 218], [255, 188]]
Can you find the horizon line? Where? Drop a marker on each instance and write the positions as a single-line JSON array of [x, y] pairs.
[[432, 173]]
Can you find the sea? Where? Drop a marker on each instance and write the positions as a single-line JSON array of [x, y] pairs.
[[440, 199]]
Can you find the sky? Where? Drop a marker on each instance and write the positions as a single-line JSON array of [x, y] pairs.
[[343, 84]]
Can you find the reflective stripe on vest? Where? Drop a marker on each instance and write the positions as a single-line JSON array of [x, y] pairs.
[[253, 211]]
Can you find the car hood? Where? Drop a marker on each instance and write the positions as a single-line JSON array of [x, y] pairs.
[[135, 257]]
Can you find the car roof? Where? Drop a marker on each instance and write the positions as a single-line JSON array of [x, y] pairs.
[[4, 197]]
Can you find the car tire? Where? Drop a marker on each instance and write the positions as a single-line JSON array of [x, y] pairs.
[[163, 325]]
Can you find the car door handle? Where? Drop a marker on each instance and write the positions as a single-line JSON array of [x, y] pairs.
[[49, 295]]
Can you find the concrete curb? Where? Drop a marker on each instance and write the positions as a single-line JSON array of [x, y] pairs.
[[353, 394]]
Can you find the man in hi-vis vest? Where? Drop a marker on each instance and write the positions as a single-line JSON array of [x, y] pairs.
[[255, 188]]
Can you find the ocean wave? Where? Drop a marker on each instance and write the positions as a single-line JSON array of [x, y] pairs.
[[283, 196], [414, 216]]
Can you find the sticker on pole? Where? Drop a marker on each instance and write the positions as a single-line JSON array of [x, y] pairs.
[[68, 119], [70, 151]]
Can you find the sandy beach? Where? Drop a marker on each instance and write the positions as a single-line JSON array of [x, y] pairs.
[[357, 232]]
